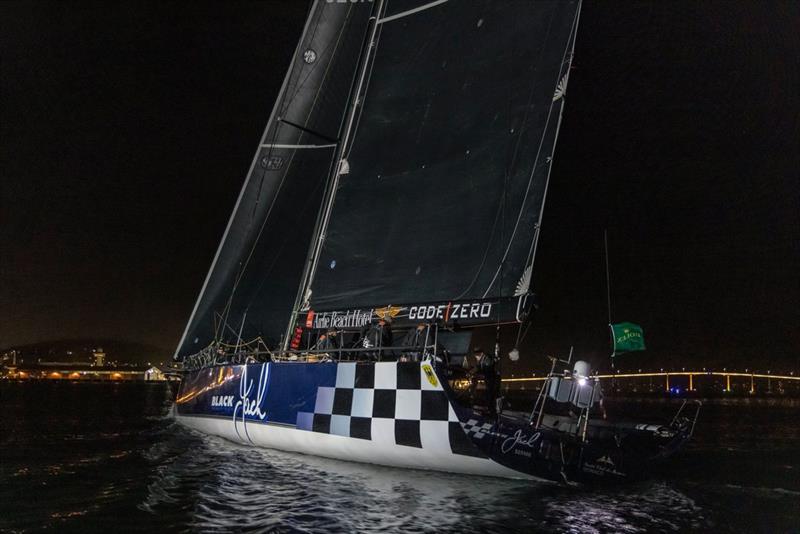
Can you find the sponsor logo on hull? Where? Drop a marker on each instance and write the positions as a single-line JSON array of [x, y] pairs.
[[222, 401]]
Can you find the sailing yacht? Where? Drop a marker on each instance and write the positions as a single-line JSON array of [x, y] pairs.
[[399, 187]]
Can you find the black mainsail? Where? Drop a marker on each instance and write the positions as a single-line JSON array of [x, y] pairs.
[[252, 282], [441, 187]]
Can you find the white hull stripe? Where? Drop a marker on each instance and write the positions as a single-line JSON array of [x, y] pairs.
[[345, 448]]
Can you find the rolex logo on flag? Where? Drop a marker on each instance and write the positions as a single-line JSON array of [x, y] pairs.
[[628, 337]]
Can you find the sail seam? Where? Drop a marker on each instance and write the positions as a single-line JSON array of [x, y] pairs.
[[410, 11]]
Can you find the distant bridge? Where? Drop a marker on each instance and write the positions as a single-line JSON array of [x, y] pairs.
[[666, 375]]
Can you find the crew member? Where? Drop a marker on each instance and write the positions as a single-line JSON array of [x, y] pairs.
[[486, 365], [378, 336], [328, 341], [414, 344], [482, 364]]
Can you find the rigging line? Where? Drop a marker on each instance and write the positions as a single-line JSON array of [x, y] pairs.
[[297, 86], [303, 129], [243, 266], [278, 145], [537, 232], [286, 172], [285, 98], [277, 126], [345, 142], [238, 202], [330, 183], [534, 168], [516, 150], [410, 11], [485, 255], [286, 240], [363, 97]]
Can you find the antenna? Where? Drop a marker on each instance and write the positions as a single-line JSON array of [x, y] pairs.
[[608, 302], [608, 275]]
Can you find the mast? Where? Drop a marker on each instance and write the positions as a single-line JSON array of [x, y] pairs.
[[339, 165], [608, 276]]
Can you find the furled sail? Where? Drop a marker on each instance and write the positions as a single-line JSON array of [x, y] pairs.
[[253, 280], [441, 189]]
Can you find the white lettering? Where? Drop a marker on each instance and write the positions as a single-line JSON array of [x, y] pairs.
[[222, 401], [247, 405], [519, 439]]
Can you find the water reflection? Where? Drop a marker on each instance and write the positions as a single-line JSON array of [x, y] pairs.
[[262, 489], [90, 458]]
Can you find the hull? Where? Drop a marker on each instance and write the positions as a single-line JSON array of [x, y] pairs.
[[404, 415], [393, 414]]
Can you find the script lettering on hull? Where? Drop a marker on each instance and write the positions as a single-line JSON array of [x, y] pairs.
[[247, 405]]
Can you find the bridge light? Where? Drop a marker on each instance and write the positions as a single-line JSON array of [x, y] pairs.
[[581, 382]]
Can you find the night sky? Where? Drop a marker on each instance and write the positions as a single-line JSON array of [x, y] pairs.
[[126, 131]]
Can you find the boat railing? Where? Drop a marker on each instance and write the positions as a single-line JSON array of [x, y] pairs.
[[391, 353], [691, 422]]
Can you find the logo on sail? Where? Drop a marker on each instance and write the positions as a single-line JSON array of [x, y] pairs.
[[272, 163]]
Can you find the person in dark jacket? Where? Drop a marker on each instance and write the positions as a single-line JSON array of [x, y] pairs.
[[480, 364], [488, 368], [378, 336], [414, 343], [328, 341]]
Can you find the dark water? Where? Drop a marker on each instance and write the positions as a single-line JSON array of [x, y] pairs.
[[91, 457]]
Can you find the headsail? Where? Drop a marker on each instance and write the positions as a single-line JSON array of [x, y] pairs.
[[446, 174], [252, 282]]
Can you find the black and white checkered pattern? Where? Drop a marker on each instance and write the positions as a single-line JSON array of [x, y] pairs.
[[396, 403], [475, 430]]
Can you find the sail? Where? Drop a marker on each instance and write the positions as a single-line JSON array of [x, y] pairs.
[[252, 283], [442, 187]]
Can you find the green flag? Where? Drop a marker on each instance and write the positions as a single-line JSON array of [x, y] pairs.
[[628, 337]]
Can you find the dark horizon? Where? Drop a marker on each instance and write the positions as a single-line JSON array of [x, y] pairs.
[[127, 133]]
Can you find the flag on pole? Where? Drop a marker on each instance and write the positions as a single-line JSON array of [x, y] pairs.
[[628, 337]]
